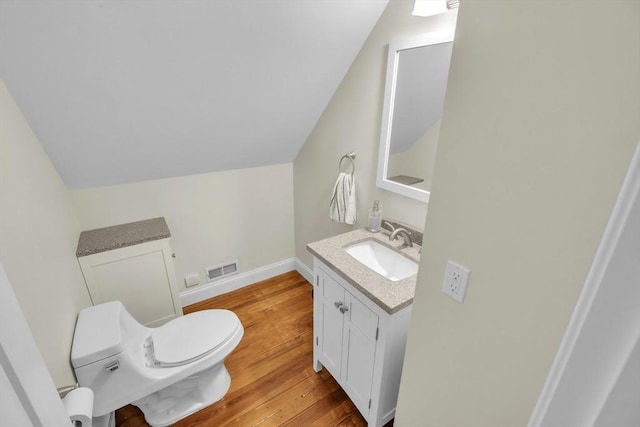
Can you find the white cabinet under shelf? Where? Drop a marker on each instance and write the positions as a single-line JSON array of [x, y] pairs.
[[359, 343], [138, 271]]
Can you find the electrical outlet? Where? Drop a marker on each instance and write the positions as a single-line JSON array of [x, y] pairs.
[[455, 281]]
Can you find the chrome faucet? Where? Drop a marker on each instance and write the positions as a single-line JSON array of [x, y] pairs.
[[405, 236]]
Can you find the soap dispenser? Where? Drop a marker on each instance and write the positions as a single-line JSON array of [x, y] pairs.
[[375, 217]]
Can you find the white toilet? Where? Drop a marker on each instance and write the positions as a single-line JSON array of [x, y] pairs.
[[168, 372]]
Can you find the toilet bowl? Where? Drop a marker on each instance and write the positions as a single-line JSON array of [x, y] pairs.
[[169, 372]]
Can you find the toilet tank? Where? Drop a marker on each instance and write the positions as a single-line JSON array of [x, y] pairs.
[[98, 334], [102, 331]]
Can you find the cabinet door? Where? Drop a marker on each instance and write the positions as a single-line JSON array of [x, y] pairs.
[[136, 275], [359, 351], [332, 320]]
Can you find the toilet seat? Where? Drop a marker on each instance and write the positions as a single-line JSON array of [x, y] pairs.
[[191, 337]]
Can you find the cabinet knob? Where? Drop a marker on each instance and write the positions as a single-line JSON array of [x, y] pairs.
[[344, 309], [173, 255], [338, 304]]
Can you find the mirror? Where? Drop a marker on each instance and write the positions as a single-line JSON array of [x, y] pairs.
[[417, 73]]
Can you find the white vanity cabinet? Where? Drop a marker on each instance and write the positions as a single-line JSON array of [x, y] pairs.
[[359, 343], [132, 263]]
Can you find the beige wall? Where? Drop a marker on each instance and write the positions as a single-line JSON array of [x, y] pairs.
[[351, 122], [241, 214], [214, 218], [540, 122], [38, 237]]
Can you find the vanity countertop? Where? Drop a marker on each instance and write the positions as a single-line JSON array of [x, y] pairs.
[[120, 236], [389, 295]]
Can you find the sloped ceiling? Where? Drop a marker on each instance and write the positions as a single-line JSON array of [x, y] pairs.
[[124, 91]]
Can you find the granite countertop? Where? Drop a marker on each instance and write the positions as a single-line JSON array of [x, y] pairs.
[[120, 236], [389, 295]]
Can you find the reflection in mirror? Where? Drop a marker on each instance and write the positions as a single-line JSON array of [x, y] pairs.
[[417, 73]]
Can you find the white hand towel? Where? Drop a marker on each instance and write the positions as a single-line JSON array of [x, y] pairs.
[[343, 201]]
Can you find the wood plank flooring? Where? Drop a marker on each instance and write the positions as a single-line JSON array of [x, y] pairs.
[[272, 379]]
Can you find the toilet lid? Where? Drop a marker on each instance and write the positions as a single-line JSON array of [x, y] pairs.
[[192, 336]]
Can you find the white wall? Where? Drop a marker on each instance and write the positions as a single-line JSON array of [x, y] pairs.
[[38, 237], [244, 214], [351, 122], [539, 125]]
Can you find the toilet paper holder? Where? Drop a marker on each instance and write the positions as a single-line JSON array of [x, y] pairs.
[[78, 403]]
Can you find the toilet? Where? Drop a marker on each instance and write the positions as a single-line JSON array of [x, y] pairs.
[[168, 372]]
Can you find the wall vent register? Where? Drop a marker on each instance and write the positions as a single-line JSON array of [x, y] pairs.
[[218, 271]]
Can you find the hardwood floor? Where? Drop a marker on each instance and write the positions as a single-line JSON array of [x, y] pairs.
[[272, 379]]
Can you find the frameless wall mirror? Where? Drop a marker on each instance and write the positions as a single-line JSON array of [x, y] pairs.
[[417, 72]]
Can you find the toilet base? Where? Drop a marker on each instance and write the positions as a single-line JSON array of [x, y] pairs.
[[108, 420], [185, 397]]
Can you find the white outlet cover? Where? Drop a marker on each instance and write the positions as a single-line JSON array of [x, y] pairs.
[[455, 281]]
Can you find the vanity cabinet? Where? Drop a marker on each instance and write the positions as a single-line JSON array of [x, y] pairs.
[[360, 344]]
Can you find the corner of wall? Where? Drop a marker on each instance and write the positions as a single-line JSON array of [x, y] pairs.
[[38, 238]]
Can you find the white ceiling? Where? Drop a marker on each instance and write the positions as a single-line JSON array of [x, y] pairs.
[[124, 91]]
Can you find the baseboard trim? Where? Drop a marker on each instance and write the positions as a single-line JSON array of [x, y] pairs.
[[236, 282], [305, 271], [241, 280]]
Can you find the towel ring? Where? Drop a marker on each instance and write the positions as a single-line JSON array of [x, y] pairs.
[[351, 156]]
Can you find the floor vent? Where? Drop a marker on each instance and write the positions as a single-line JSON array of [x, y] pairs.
[[218, 271]]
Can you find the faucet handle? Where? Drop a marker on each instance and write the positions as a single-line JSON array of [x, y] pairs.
[[388, 225]]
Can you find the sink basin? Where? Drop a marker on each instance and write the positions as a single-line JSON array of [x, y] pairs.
[[383, 260]]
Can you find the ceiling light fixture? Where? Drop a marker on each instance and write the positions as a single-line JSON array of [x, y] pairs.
[[433, 7]]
